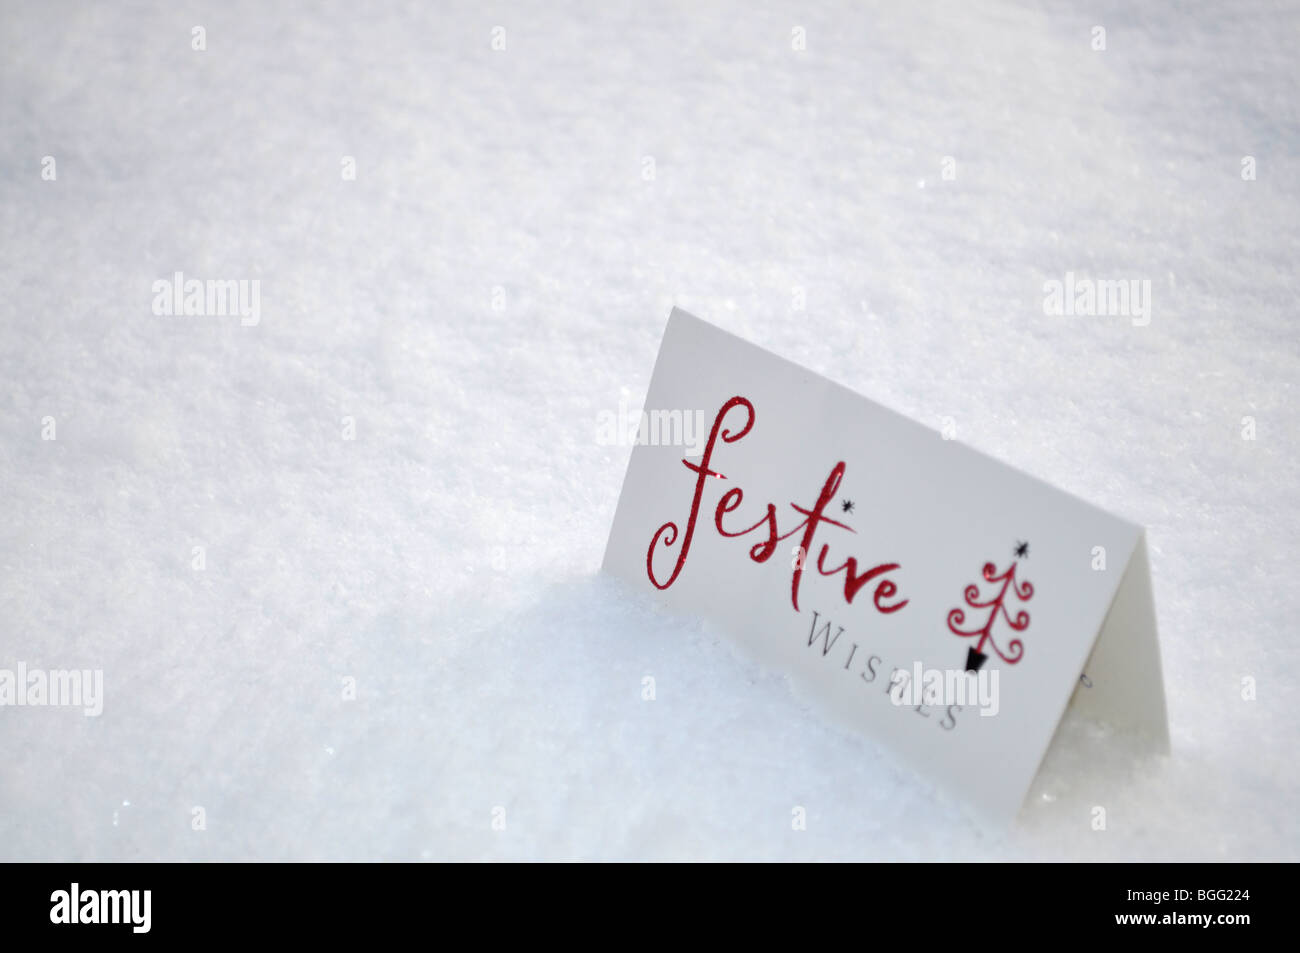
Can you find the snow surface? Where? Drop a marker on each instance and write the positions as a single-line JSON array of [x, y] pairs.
[[447, 557]]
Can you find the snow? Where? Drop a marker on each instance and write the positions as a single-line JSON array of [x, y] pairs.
[[498, 273]]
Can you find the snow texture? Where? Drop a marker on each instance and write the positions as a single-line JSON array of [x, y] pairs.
[[497, 274]]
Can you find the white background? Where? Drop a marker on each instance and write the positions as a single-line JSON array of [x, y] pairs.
[[446, 558]]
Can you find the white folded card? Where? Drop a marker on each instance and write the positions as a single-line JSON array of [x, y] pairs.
[[944, 603]]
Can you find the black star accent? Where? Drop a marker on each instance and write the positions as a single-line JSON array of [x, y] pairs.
[[846, 506], [1022, 550]]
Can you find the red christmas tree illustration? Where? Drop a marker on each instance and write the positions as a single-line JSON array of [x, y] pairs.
[[1002, 584]]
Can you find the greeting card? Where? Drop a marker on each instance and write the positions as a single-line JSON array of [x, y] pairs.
[[922, 592]]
